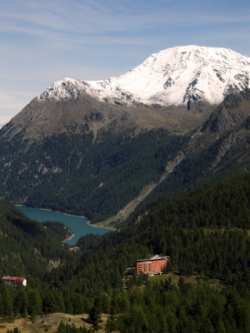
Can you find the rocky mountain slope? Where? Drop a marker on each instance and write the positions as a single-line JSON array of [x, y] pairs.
[[103, 148], [220, 146]]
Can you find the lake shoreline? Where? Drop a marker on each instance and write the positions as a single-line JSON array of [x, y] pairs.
[[100, 226], [76, 226], [88, 222]]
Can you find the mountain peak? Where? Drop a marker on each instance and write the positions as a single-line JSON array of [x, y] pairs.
[[67, 88], [174, 76]]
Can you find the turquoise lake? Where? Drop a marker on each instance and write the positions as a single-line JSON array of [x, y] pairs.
[[78, 225]]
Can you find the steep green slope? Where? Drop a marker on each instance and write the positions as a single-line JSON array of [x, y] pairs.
[[105, 160], [87, 156], [205, 232], [219, 147], [73, 173]]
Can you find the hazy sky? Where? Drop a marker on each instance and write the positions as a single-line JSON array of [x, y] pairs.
[[45, 40]]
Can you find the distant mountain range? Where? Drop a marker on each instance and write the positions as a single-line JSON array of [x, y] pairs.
[[101, 148]]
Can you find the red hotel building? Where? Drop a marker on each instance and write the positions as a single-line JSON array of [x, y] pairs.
[[153, 266]]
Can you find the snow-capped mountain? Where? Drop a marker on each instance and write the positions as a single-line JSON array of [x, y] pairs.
[[70, 149], [174, 76]]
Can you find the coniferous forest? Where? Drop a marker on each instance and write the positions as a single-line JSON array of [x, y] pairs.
[[206, 233]]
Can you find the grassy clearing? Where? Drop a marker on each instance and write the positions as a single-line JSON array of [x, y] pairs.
[[49, 323]]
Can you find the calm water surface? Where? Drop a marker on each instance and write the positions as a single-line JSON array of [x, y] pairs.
[[78, 225]]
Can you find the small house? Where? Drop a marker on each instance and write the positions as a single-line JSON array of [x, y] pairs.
[[14, 280]]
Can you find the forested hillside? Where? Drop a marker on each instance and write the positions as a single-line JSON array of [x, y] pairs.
[[96, 178], [206, 235], [205, 231], [26, 246]]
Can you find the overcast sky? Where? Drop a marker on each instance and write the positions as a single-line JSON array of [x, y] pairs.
[[45, 40]]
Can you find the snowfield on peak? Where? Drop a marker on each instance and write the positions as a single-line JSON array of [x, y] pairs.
[[175, 76]]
